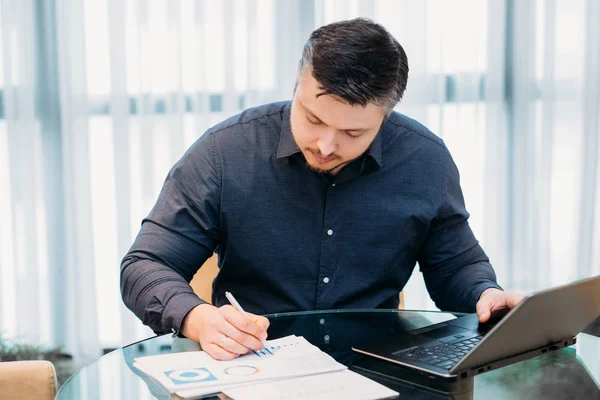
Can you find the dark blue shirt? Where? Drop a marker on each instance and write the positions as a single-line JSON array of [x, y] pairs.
[[289, 238]]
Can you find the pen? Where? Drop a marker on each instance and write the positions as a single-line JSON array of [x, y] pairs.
[[237, 305]]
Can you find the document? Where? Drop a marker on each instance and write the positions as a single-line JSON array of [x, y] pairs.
[[196, 373], [287, 368], [333, 385]]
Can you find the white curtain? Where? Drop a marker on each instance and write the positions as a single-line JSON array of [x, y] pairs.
[[555, 129], [101, 97]]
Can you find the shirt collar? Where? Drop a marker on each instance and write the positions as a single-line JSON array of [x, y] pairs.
[[288, 146], [375, 151]]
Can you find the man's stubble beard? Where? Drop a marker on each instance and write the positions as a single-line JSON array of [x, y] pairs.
[[320, 170]]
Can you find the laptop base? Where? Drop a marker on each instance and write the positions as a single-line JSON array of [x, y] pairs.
[[475, 370]]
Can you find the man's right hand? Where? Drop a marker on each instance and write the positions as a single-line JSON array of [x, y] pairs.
[[224, 332]]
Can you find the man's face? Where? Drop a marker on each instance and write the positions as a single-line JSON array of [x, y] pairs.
[[330, 132]]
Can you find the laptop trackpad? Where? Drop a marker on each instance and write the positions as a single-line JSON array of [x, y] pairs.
[[438, 331]]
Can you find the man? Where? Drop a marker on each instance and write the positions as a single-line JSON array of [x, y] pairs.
[[322, 203]]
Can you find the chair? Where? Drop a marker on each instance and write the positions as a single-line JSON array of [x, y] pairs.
[[27, 380], [202, 280]]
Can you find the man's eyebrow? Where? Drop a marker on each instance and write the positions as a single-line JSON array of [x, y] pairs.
[[356, 130], [319, 121], [312, 114]]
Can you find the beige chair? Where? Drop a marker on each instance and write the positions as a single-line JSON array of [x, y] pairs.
[[27, 380], [202, 281]]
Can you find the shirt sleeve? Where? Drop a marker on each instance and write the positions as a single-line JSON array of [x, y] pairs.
[[455, 267], [175, 239]]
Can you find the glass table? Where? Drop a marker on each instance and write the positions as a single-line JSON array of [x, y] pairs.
[[569, 373]]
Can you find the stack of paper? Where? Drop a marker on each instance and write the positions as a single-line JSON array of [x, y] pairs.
[[195, 374], [343, 384]]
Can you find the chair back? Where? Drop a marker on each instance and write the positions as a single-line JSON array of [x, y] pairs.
[[27, 380], [202, 280]]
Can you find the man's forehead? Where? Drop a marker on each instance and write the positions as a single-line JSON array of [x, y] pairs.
[[341, 115]]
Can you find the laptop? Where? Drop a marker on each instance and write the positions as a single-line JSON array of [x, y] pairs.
[[460, 348]]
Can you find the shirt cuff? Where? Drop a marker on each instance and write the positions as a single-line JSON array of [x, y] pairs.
[[176, 310]]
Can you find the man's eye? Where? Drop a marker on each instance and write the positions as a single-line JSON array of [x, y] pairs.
[[314, 122], [352, 135]]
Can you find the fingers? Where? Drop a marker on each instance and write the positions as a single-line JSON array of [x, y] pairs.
[[262, 321], [496, 302], [232, 342], [224, 332], [246, 325], [483, 315], [219, 353], [513, 299], [245, 341], [227, 342], [483, 308]]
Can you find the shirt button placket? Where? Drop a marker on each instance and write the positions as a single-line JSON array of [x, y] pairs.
[[325, 268]]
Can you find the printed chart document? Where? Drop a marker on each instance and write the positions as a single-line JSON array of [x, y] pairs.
[[195, 373], [343, 384]]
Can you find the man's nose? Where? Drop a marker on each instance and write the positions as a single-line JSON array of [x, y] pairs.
[[326, 143]]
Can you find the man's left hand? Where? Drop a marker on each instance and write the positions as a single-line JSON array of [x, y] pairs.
[[493, 301]]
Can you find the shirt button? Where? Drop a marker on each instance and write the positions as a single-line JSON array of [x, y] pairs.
[[333, 184], [326, 280], [330, 232], [326, 337], [322, 321]]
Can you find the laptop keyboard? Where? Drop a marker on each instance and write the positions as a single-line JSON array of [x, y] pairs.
[[443, 355]]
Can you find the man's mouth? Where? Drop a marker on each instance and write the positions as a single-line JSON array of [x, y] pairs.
[[322, 159]]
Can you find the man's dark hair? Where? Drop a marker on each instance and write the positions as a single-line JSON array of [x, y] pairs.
[[358, 61]]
